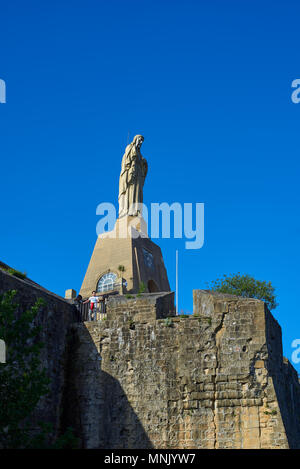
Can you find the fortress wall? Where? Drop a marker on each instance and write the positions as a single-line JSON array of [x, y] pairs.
[[144, 308], [144, 378], [285, 382], [55, 318], [216, 379]]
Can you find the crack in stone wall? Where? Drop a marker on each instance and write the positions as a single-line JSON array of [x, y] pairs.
[[211, 380], [217, 335], [216, 379]]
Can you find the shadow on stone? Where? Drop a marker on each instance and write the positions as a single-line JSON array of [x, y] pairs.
[[285, 381], [95, 405]]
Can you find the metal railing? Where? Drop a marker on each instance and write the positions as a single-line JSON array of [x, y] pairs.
[[86, 314]]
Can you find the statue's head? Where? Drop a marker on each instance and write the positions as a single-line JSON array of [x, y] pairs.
[[138, 140]]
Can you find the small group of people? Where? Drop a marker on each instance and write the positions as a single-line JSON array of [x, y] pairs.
[[93, 301]]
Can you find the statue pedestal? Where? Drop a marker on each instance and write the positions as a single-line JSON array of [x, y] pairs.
[[132, 258], [128, 226]]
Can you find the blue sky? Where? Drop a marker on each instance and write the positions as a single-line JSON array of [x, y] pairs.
[[208, 84]]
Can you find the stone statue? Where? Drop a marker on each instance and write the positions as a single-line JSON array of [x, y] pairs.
[[133, 173]]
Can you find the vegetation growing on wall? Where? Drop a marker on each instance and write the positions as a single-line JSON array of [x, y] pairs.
[[23, 381], [247, 287], [15, 272]]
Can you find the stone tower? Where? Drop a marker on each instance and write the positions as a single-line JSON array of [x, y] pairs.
[[125, 257]]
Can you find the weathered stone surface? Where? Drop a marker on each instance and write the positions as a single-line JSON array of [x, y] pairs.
[[214, 380], [146, 379], [55, 319], [133, 173]]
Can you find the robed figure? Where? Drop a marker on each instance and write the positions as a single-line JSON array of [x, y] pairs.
[[133, 173]]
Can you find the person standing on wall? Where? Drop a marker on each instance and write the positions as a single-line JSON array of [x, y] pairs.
[[93, 306], [78, 303]]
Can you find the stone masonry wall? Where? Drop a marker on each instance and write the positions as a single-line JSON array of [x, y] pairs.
[[143, 378], [216, 379], [55, 319]]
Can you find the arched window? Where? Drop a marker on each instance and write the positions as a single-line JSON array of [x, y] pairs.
[[107, 282]]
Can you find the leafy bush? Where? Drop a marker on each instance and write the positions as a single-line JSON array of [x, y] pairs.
[[247, 287]]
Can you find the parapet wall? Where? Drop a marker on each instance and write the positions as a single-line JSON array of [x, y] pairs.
[[55, 319], [144, 378], [216, 379], [143, 308]]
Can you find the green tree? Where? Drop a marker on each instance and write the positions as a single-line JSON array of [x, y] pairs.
[[23, 381], [247, 287]]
